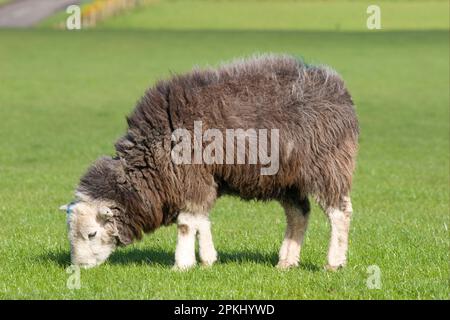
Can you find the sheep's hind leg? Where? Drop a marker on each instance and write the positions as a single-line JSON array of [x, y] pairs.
[[340, 225], [297, 215]]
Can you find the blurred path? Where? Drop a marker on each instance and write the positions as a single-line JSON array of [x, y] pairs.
[[25, 13]]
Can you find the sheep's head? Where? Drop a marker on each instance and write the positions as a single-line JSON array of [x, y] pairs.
[[93, 232]]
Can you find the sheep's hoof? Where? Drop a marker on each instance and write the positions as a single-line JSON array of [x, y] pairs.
[[208, 263], [184, 267], [208, 259], [286, 265], [333, 268]]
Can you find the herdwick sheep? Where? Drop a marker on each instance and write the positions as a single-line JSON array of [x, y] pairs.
[[142, 188]]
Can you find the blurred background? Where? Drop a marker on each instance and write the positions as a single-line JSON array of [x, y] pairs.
[[64, 95], [337, 15]]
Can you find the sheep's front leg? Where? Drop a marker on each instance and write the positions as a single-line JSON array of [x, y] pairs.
[[340, 225], [297, 221], [185, 251], [208, 254], [188, 226]]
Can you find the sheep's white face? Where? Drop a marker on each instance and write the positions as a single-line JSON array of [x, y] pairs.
[[92, 233]]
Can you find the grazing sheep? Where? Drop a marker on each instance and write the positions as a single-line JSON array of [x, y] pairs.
[[143, 188]]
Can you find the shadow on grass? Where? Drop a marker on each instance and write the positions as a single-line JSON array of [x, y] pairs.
[[131, 256], [166, 258], [142, 256], [248, 256], [61, 258]]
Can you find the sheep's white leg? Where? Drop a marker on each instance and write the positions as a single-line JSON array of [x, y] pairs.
[[340, 226], [208, 254], [297, 222], [185, 251]]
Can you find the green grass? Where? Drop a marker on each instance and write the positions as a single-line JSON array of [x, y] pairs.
[[342, 15], [64, 96], [62, 103], [282, 15]]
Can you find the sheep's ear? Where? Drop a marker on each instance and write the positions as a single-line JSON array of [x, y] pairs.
[[64, 208], [105, 212], [123, 234]]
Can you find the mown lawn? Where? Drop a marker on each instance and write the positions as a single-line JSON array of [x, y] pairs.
[[63, 98], [301, 15], [343, 15]]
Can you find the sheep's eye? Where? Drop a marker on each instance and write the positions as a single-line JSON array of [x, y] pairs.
[[92, 235]]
